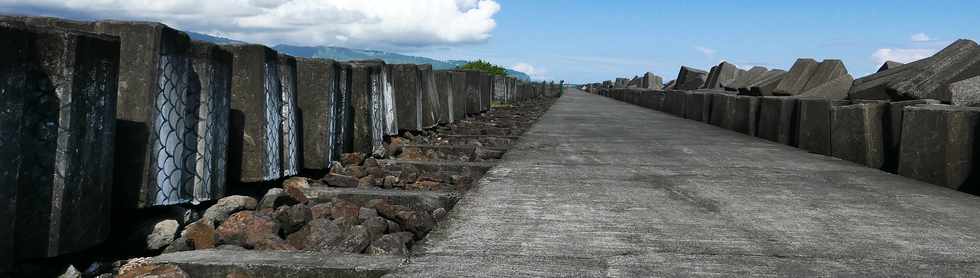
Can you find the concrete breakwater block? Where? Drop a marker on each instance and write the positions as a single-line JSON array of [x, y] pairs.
[[765, 85], [388, 105], [212, 72], [255, 146], [743, 81], [500, 89], [690, 78], [889, 65], [697, 106], [473, 92], [746, 115], [966, 92], [674, 102], [857, 133], [367, 102], [430, 97], [317, 83], [444, 87], [833, 89], [893, 130], [722, 73], [405, 80], [938, 144], [777, 121], [814, 125], [723, 110], [795, 80], [486, 91], [652, 81], [57, 117], [828, 70], [927, 78], [290, 122], [458, 107]]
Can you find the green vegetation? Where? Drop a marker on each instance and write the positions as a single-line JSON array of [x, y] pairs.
[[483, 66]]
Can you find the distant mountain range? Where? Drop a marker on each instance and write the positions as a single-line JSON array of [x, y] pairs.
[[349, 54]]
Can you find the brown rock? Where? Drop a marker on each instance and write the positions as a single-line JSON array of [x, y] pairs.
[[336, 168], [292, 218], [355, 240], [357, 171], [340, 181], [365, 182], [220, 211], [390, 181], [250, 230], [297, 194], [375, 172], [390, 244], [352, 159], [415, 222], [344, 208], [274, 198], [320, 211], [200, 235], [321, 235], [142, 267]]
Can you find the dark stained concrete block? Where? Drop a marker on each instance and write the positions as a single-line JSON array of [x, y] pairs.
[[723, 110], [430, 98], [212, 80], [695, 104], [776, 120], [290, 124], [317, 82], [255, 145], [857, 133], [459, 95], [388, 103], [889, 65], [923, 79], [690, 78], [367, 98], [833, 89], [405, 80], [652, 81], [795, 80], [766, 85], [486, 91], [473, 80], [57, 121], [675, 102], [343, 112], [722, 73], [893, 130], [444, 86], [966, 92], [938, 145], [744, 80], [814, 124], [828, 70], [499, 89]]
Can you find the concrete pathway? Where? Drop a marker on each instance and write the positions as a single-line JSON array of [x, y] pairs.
[[600, 188]]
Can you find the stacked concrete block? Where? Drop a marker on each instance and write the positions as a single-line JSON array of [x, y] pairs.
[[938, 145], [255, 144], [444, 87], [893, 130], [746, 115], [652, 81], [723, 110], [814, 124], [857, 132], [928, 78], [722, 73], [212, 81], [430, 97], [765, 85], [966, 92], [743, 80], [620, 83], [367, 103], [317, 83], [795, 80], [459, 94], [408, 98], [290, 124], [674, 102], [388, 105], [57, 117], [836, 88], [690, 78], [473, 92], [343, 121], [889, 65], [776, 120], [698, 106], [500, 89]]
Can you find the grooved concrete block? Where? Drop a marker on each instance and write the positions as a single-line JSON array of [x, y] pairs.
[[486, 91], [430, 98], [212, 81], [765, 85], [652, 81], [833, 89], [966, 92], [367, 101], [290, 135], [407, 86], [889, 65], [695, 104], [744, 80], [722, 73], [317, 83], [857, 133], [746, 115], [814, 124], [388, 105], [893, 130], [776, 120], [57, 121], [255, 146], [459, 95], [473, 92], [723, 110], [444, 86], [938, 144], [674, 103], [828, 70], [928, 78], [343, 112], [795, 81], [690, 78]]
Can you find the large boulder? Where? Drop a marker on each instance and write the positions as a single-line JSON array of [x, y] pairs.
[[220, 211]]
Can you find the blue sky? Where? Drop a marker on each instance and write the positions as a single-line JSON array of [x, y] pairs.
[[578, 41]]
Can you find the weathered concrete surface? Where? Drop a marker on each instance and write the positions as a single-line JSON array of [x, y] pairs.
[[833, 89], [889, 65], [857, 133], [698, 106], [925, 78], [292, 264], [256, 101], [722, 73], [212, 82], [689, 78], [57, 121], [826, 71], [966, 92], [767, 84], [459, 95], [444, 87], [367, 98], [723, 110], [938, 145], [290, 116], [746, 115], [652, 81], [600, 188], [795, 80], [893, 130], [405, 79], [777, 121], [674, 102], [813, 124], [316, 84], [749, 77], [430, 97]]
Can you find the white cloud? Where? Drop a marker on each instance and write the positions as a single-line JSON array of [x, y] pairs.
[[532, 71], [902, 55], [304, 22], [920, 37], [706, 51]]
